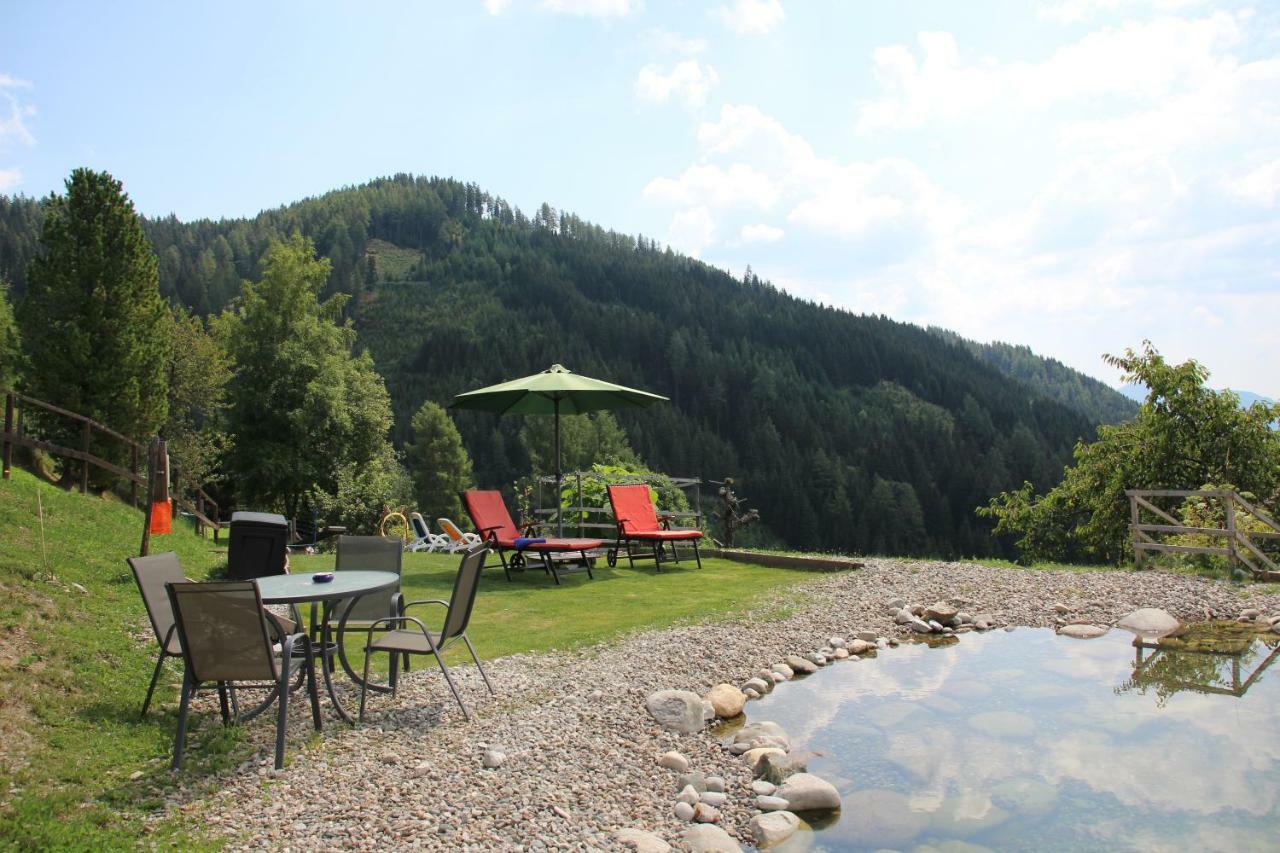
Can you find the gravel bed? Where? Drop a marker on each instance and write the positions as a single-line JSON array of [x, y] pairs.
[[580, 747]]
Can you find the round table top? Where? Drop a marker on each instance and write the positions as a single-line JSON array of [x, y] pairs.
[[292, 589]]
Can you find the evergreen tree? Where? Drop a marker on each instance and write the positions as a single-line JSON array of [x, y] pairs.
[[10, 341], [438, 462], [585, 440], [94, 325], [195, 429], [307, 414]]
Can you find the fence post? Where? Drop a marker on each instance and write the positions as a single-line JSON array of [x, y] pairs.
[[199, 512], [8, 430], [582, 516], [1133, 532], [151, 493], [133, 468], [84, 463], [1230, 500]]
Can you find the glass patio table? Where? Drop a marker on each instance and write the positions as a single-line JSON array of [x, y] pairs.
[[301, 588]]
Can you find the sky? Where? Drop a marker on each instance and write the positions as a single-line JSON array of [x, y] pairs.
[[1073, 175]]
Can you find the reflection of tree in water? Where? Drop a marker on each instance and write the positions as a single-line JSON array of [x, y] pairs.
[[1212, 658]]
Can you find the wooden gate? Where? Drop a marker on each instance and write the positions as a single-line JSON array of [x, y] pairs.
[[1240, 545]]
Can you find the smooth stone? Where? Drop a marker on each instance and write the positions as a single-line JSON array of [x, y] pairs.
[[801, 665], [777, 767], [713, 798], [755, 756], [920, 626], [674, 761], [770, 803], [1149, 622], [816, 658], [879, 818], [739, 748], [904, 617], [777, 677], [727, 700], [763, 788], [935, 626], [706, 813], [773, 828], [759, 685], [860, 646], [835, 642], [964, 618], [708, 712], [1061, 608], [840, 653], [893, 605], [764, 728], [684, 811], [676, 710], [640, 841], [708, 838], [866, 637], [688, 795], [783, 670], [715, 783], [493, 758], [695, 779], [752, 693], [806, 792], [941, 611], [1082, 632], [1250, 613]]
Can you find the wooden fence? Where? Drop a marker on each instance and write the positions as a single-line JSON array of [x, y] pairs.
[[605, 524], [1240, 545], [201, 507]]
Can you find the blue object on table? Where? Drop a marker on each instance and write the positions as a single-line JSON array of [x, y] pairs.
[[526, 541], [322, 577]]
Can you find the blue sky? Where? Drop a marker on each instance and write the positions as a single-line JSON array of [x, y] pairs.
[[1075, 175]]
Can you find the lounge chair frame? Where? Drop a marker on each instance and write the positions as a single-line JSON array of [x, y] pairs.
[[649, 529]]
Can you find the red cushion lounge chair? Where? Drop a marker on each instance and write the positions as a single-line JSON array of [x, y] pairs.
[[493, 522], [638, 522]]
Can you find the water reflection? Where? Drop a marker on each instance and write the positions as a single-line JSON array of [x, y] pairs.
[[1029, 741]]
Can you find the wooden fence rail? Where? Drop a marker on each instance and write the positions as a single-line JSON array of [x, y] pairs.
[[204, 509], [1238, 543]]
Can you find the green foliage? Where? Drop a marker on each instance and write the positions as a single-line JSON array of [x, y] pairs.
[[666, 495], [198, 372], [585, 440], [361, 494], [1185, 434], [96, 331], [307, 415], [439, 463], [10, 340]]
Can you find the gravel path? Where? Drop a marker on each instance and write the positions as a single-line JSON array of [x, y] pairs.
[[580, 746]]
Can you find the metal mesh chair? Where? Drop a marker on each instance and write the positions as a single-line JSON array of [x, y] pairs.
[[412, 636], [371, 553], [226, 642]]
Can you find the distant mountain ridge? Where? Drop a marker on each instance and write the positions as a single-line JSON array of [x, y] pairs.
[[1138, 393], [851, 433], [1094, 399]]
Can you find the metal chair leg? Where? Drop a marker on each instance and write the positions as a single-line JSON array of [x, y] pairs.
[[449, 680], [587, 564], [697, 556], [476, 658], [283, 689], [155, 677], [183, 708], [310, 663]]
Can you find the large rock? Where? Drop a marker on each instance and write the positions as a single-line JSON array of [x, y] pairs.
[[800, 665], [754, 733], [941, 611], [859, 647], [777, 766], [695, 779], [1082, 632], [783, 670], [727, 700], [676, 710], [903, 617], [761, 686], [773, 828], [640, 841], [919, 626], [1149, 622], [753, 757], [708, 838], [805, 792]]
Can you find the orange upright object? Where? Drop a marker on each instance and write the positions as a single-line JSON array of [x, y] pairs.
[[161, 517]]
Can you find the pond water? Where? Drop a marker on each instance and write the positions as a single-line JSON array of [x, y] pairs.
[[1031, 741]]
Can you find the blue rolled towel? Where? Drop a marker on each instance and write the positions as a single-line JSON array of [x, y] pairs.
[[525, 541]]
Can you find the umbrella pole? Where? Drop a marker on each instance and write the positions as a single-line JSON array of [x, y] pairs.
[[559, 511]]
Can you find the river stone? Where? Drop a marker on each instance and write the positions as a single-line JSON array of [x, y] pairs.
[[840, 653], [493, 758], [935, 626], [695, 779], [941, 611], [706, 813], [763, 788], [708, 713], [777, 767], [674, 761], [715, 783], [770, 803], [753, 757], [1250, 613], [893, 605], [920, 626], [1149, 622], [816, 658], [708, 838], [676, 710], [964, 618], [684, 811], [1026, 796], [835, 642], [759, 684], [783, 670], [773, 828], [860, 647], [640, 841], [904, 617], [878, 818], [765, 728], [805, 792], [688, 795], [866, 636], [1082, 632], [800, 665], [713, 798], [727, 700]]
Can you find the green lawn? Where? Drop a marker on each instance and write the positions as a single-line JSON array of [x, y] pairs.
[[75, 664]]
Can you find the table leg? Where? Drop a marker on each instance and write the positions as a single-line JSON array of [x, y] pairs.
[[327, 649]]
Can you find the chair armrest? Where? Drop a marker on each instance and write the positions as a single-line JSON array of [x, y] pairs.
[[409, 604]]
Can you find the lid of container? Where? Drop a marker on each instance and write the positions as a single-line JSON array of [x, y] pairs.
[[268, 518]]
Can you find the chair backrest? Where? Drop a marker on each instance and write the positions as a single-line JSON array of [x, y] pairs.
[[223, 631], [465, 586], [419, 525], [453, 531], [633, 509], [375, 554], [151, 574], [487, 509]]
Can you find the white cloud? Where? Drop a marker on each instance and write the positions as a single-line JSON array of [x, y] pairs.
[[496, 7], [688, 81], [1079, 11], [10, 178], [760, 233], [665, 41], [13, 127], [592, 8], [751, 17], [1260, 186], [692, 230], [736, 186]]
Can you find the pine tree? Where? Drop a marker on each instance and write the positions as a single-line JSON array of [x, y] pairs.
[[97, 332], [10, 341], [438, 462]]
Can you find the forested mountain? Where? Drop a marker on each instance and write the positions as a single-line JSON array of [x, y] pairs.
[[848, 432], [1096, 400]]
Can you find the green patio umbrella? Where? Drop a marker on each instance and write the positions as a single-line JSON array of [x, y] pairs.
[[554, 391]]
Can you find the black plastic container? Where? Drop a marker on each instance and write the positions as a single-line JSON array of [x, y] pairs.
[[257, 546]]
